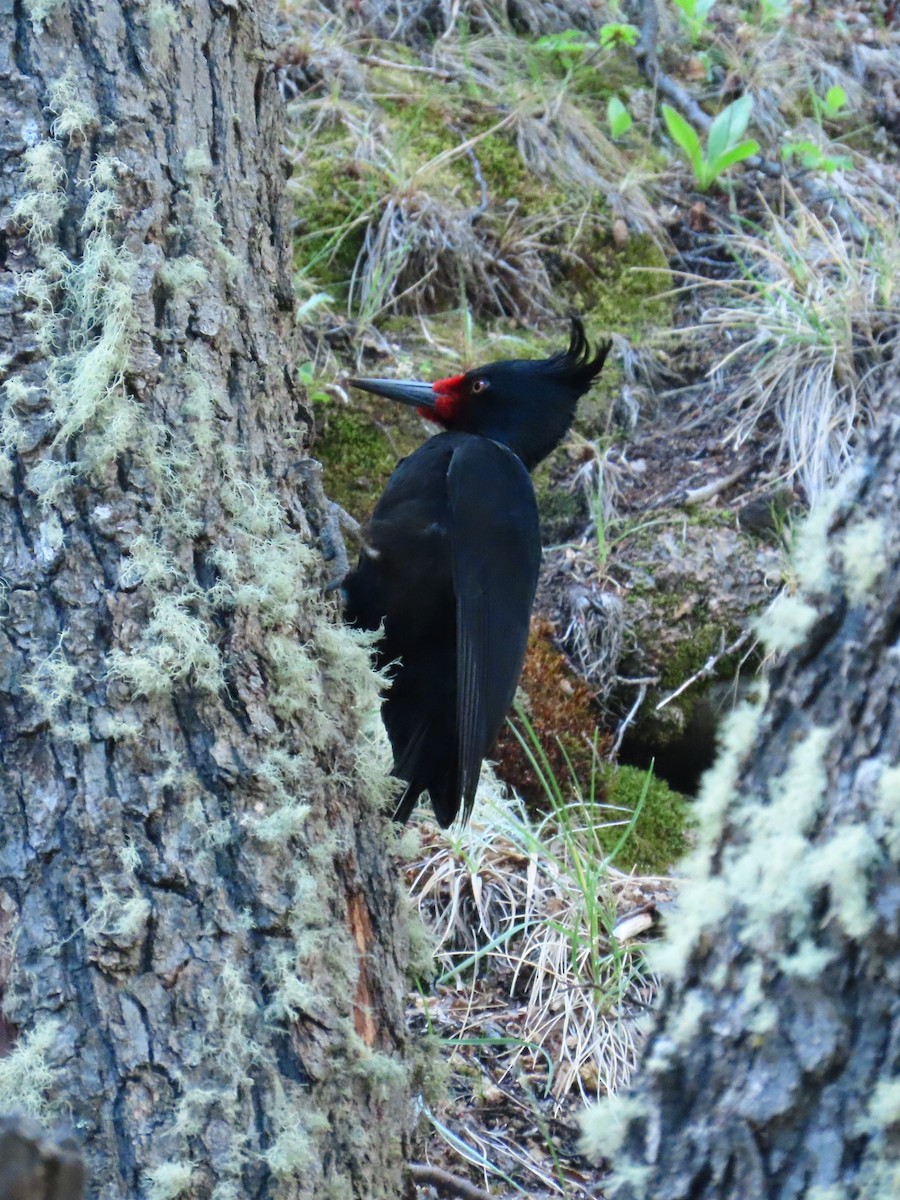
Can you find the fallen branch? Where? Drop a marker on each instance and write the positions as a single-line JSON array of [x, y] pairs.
[[424, 1174]]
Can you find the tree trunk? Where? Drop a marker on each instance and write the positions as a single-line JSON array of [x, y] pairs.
[[773, 1069], [201, 946]]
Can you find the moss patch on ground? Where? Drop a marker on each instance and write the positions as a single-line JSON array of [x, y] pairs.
[[661, 833]]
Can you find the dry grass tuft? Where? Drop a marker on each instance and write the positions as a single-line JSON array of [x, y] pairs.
[[813, 320], [523, 914], [425, 254]]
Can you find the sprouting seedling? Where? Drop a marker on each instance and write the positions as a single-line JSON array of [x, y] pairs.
[[831, 106], [614, 33], [570, 46], [693, 15], [723, 147], [773, 12], [813, 158], [618, 117]]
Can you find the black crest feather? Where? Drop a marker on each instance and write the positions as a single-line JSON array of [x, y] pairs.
[[574, 366]]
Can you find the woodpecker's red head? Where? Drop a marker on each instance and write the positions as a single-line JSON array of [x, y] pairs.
[[526, 404]]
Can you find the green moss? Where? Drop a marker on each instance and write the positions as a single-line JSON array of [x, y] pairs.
[[619, 287], [357, 452], [333, 196], [660, 835], [563, 510]]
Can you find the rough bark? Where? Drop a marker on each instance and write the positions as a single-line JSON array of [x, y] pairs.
[[201, 950], [773, 1069]]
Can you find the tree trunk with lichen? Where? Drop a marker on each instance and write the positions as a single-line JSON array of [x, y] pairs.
[[773, 1069], [202, 946]]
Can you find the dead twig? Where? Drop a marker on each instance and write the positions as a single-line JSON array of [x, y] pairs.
[[716, 486], [372, 60], [632, 713], [424, 1174], [707, 669]]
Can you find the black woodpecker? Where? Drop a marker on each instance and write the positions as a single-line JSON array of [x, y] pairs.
[[450, 562]]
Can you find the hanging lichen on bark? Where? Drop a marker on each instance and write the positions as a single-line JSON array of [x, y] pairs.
[[203, 732], [788, 921]]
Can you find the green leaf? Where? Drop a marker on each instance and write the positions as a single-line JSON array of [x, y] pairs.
[[835, 100], [735, 155], [617, 31], [618, 116], [729, 126], [685, 135], [570, 41], [814, 158]]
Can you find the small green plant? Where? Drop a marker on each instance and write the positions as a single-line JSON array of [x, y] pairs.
[[723, 148], [693, 16], [773, 12], [615, 33], [814, 158], [306, 374], [832, 106], [569, 46], [618, 117]]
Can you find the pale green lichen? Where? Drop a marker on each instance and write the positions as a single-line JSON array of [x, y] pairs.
[[40, 10], [883, 1111], [197, 162], [204, 217], [26, 1074], [605, 1124], [50, 682], [770, 873], [717, 788], [162, 23], [808, 961], [76, 116], [51, 685], [786, 622], [120, 918], [295, 1148], [174, 647], [85, 379], [41, 207], [169, 1180], [685, 1023], [888, 809], [812, 548], [183, 276], [864, 552], [841, 864]]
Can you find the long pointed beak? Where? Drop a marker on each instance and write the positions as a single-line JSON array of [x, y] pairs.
[[407, 391]]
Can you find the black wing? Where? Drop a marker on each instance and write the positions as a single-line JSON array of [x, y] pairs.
[[495, 556]]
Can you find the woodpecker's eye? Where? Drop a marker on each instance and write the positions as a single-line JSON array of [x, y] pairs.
[[479, 385]]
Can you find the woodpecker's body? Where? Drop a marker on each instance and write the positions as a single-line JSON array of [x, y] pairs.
[[451, 561]]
